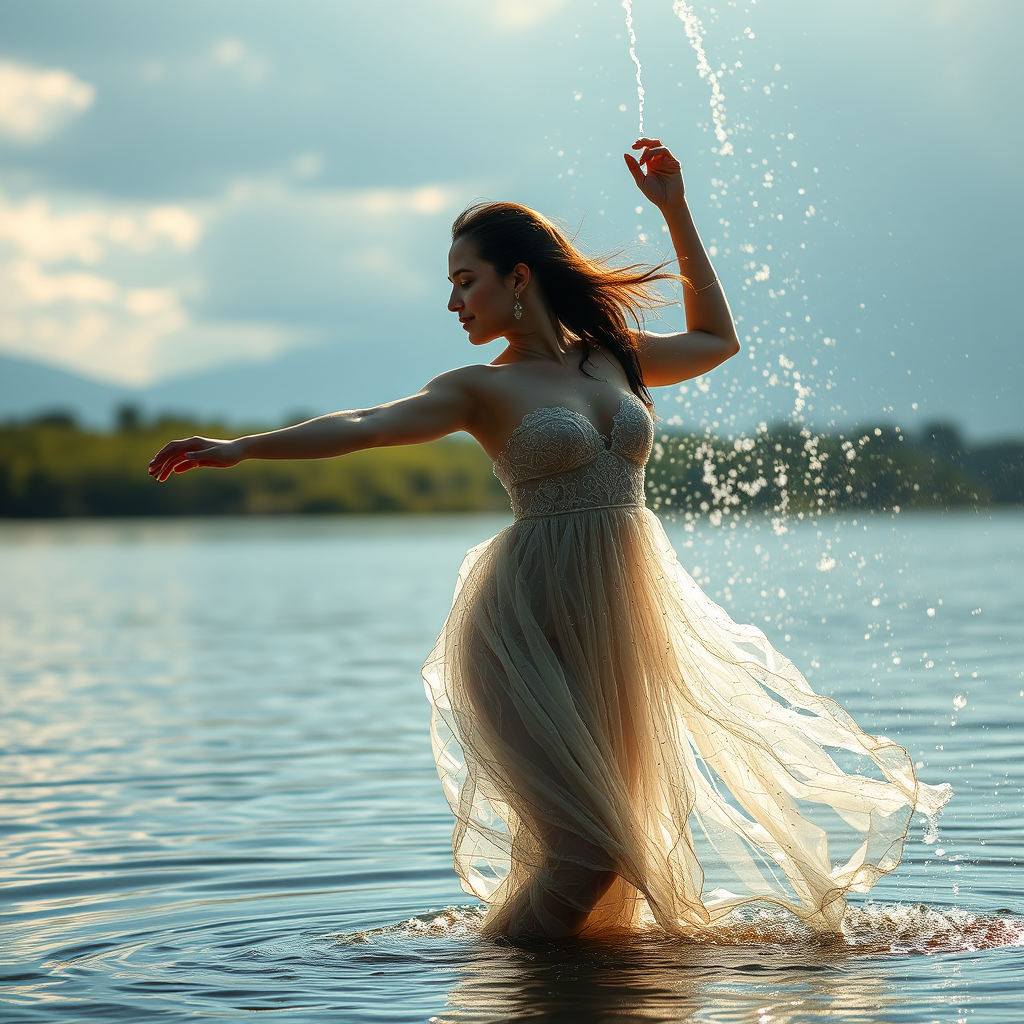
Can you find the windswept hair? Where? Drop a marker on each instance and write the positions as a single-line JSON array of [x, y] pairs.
[[589, 296]]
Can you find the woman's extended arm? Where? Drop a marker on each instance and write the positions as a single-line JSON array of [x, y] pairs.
[[710, 337], [444, 406]]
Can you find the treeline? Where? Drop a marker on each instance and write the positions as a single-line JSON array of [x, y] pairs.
[[787, 470], [51, 467]]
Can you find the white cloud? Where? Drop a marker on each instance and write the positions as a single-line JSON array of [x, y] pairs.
[[35, 103], [235, 55], [104, 287], [86, 322], [426, 200], [32, 228], [333, 249], [132, 336], [307, 165], [113, 325], [37, 288], [520, 14]]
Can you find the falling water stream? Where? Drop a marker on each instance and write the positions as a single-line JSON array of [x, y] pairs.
[[737, 467], [627, 6], [695, 33]]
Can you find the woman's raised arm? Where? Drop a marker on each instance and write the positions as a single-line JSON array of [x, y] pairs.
[[710, 337], [445, 405]]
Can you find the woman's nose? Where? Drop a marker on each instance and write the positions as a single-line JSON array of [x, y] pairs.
[[454, 304]]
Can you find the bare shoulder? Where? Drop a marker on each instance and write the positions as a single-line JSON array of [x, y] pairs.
[[464, 379], [497, 394], [479, 391], [464, 387], [483, 382]]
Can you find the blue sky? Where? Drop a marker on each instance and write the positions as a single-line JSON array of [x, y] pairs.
[[269, 186]]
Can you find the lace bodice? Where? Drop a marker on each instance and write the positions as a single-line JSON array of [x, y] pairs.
[[556, 461]]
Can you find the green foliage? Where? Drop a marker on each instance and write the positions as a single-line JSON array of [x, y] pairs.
[[52, 468], [791, 471]]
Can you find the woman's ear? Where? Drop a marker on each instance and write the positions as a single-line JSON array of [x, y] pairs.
[[520, 277]]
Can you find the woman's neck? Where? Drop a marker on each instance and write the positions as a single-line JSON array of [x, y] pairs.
[[543, 339]]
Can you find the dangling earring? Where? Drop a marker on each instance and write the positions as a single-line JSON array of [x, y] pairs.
[[517, 309]]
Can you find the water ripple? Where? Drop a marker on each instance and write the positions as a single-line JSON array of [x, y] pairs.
[[219, 795]]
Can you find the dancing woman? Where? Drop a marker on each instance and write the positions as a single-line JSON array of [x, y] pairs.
[[618, 753]]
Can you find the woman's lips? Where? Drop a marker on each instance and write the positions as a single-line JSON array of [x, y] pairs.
[[465, 322]]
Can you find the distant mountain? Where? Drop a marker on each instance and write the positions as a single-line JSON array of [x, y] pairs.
[[31, 389], [305, 382], [301, 383]]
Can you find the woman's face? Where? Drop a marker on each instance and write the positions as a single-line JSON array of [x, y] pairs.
[[483, 300]]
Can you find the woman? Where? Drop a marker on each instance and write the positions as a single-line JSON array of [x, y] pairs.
[[614, 747]]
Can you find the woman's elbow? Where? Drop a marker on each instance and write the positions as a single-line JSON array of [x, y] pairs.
[[730, 345]]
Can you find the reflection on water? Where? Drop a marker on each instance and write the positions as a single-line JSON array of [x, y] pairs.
[[763, 966], [219, 796], [659, 981]]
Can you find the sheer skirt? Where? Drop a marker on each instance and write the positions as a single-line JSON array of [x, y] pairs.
[[610, 741]]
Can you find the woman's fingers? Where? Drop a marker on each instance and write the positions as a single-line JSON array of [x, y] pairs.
[[658, 174], [176, 464], [654, 156], [660, 158], [181, 456], [635, 169], [163, 462]]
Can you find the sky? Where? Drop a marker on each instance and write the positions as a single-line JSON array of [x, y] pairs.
[[243, 191]]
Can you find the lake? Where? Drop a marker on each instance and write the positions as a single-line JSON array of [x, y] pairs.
[[218, 794]]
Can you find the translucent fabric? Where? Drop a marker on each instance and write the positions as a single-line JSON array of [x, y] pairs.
[[614, 746]]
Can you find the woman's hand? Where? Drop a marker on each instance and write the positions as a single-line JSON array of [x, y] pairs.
[[193, 452], [662, 184]]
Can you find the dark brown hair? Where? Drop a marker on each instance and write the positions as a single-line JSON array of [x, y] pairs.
[[589, 297]]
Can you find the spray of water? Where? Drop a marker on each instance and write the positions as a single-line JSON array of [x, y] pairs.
[[627, 6], [871, 929], [695, 33]]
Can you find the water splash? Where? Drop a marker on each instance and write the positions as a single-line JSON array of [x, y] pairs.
[[868, 929], [627, 6], [875, 928], [451, 922], [695, 33]]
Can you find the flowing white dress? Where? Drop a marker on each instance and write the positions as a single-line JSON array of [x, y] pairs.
[[594, 710]]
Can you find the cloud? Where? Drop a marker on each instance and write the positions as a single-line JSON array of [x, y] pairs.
[[131, 336], [132, 294], [35, 103], [236, 56], [32, 228], [113, 325], [86, 322], [307, 165], [324, 255], [522, 14]]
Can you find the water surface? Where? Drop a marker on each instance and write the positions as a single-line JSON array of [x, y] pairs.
[[219, 796]]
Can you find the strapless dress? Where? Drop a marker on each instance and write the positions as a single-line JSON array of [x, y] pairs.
[[593, 710]]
